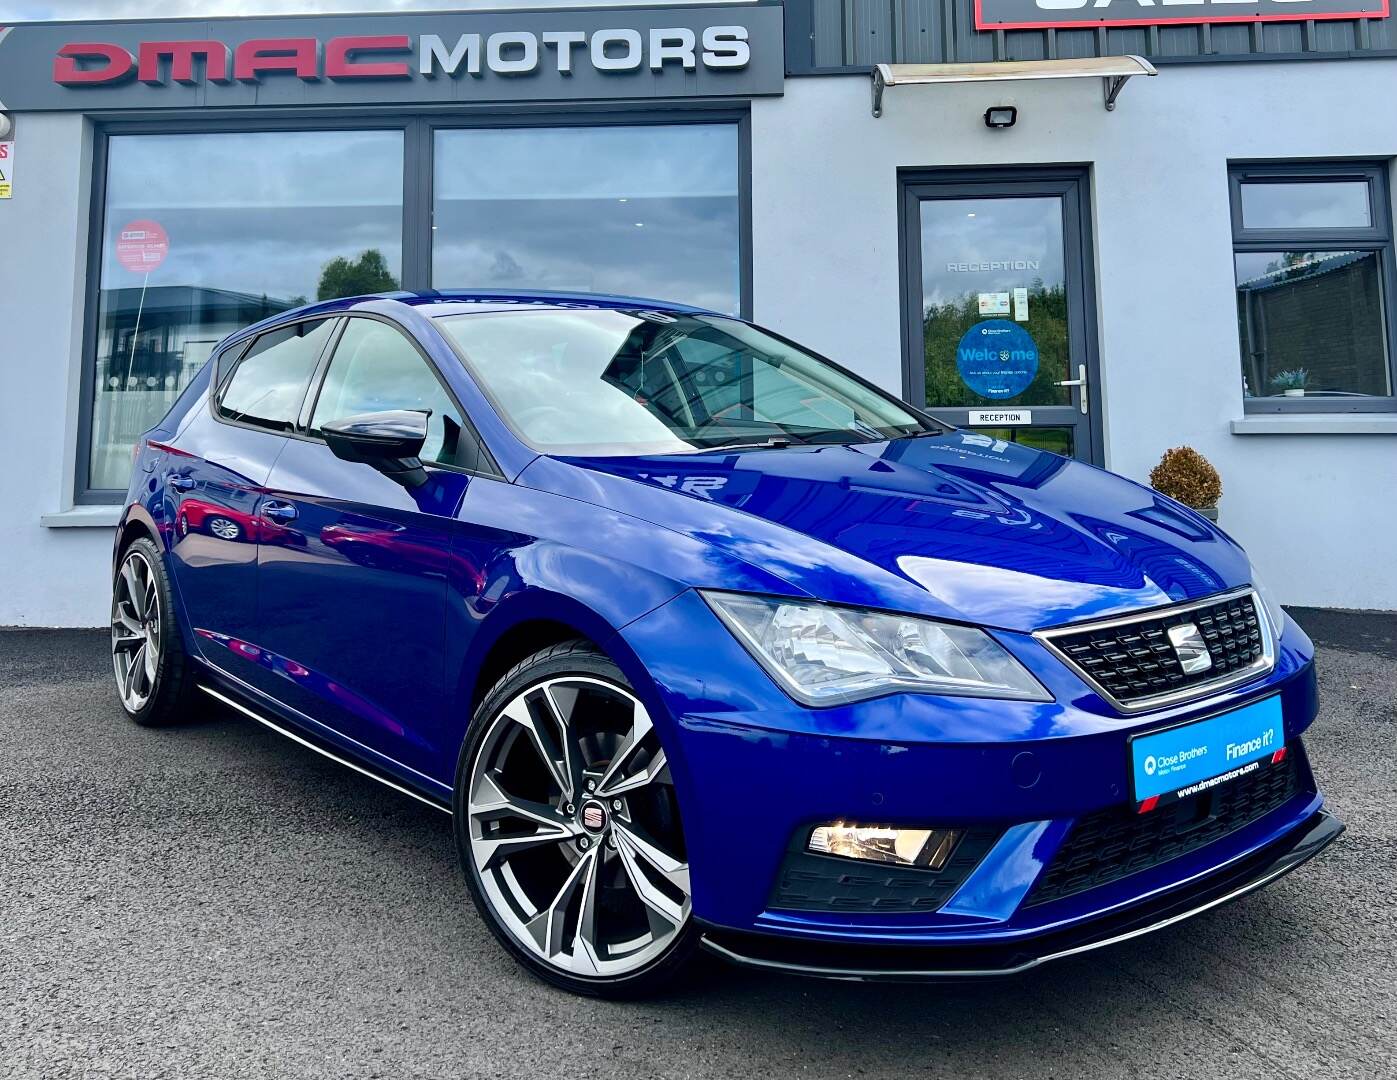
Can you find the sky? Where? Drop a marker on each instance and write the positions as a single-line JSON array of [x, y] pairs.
[[12, 11]]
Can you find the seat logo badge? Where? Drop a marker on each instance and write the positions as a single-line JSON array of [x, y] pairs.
[[1190, 648], [593, 817]]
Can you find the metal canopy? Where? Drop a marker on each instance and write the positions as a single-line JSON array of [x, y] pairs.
[[1113, 71]]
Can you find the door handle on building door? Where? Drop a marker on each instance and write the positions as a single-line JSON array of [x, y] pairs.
[[1080, 380]]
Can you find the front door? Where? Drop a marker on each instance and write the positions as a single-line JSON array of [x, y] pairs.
[[1000, 324], [352, 573]]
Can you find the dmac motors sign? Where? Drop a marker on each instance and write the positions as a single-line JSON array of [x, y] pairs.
[[1034, 14], [560, 55]]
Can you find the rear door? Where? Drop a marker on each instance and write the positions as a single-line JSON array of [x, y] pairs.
[[214, 479], [353, 573]]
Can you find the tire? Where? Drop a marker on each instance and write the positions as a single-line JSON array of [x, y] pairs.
[[161, 698], [596, 899]]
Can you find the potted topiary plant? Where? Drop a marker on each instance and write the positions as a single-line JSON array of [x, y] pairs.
[[1188, 477], [1291, 383]]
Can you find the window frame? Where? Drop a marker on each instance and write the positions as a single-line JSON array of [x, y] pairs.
[[221, 380], [486, 466], [1376, 237], [418, 126]]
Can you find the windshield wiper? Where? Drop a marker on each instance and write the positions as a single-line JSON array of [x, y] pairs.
[[775, 442]]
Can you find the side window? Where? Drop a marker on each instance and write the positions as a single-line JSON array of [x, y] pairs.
[[269, 383], [376, 369]]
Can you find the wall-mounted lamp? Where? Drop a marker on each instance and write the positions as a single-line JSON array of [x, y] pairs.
[[6, 126], [1001, 116]]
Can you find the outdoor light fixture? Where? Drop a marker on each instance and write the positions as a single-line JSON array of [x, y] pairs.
[[925, 848], [6, 126], [1001, 116]]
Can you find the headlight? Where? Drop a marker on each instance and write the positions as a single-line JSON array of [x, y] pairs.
[[1274, 611], [824, 655]]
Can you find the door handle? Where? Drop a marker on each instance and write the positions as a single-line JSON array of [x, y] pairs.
[[181, 483], [279, 511], [1080, 380]]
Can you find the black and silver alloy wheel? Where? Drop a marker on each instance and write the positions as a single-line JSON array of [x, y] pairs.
[[148, 657], [136, 631], [569, 827]]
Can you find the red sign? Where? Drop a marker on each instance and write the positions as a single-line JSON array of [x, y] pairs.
[[93, 62], [141, 246]]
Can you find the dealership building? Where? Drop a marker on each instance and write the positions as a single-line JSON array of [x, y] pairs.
[[1177, 215]]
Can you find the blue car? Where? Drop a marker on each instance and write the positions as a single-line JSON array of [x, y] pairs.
[[704, 642]]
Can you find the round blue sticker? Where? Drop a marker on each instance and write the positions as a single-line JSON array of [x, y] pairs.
[[997, 359]]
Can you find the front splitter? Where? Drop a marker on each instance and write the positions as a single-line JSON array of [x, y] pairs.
[[930, 963]]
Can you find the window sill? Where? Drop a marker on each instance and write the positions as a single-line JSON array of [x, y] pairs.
[[1317, 424], [105, 516]]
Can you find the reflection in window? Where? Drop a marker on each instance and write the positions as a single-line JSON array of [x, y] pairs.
[[983, 250], [376, 369], [270, 381], [1312, 324], [1312, 303], [638, 210], [205, 233], [1306, 204]]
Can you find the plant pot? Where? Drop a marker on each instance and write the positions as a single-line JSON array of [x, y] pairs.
[[1298, 391], [1209, 512]]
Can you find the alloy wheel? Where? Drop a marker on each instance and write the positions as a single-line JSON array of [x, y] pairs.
[[224, 529], [574, 829], [136, 631]]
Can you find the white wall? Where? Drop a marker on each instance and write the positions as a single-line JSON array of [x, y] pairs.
[[50, 577], [1317, 512]]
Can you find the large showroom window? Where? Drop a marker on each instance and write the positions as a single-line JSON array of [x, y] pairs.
[[1314, 266], [205, 233], [645, 210]]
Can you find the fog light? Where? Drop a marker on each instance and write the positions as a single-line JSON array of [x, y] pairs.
[[927, 848]]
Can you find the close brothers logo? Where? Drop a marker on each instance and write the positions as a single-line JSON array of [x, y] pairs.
[[397, 56]]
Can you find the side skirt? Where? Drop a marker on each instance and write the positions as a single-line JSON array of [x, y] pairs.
[[322, 751]]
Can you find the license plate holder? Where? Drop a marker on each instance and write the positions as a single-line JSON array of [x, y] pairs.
[[1191, 758]]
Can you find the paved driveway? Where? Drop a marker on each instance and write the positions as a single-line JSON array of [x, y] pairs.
[[214, 902]]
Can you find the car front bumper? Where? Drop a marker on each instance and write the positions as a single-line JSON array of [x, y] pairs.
[[864, 962], [754, 771]]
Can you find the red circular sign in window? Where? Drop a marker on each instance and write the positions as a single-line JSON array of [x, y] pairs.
[[141, 246]]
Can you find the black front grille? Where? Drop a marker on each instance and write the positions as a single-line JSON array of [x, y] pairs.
[[1134, 661], [813, 882], [1117, 842]]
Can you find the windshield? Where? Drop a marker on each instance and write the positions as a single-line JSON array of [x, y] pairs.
[[609, 382]]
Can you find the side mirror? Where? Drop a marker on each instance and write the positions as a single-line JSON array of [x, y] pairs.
[[389, 441]]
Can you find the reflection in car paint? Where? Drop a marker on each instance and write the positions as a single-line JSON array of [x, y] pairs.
[[319, 684]]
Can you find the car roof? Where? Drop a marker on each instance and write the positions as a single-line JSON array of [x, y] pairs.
[[437, 304]]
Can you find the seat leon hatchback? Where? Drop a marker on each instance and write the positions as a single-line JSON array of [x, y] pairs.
[[704, 642]]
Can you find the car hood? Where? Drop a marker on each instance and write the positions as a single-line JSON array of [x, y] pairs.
[[959, 526]]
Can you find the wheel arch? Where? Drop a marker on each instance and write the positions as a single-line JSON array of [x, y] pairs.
[[136, 523], [529, 622]]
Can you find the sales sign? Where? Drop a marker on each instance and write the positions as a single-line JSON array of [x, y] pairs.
[[7, 170], [141, 246], [1034, 14]]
